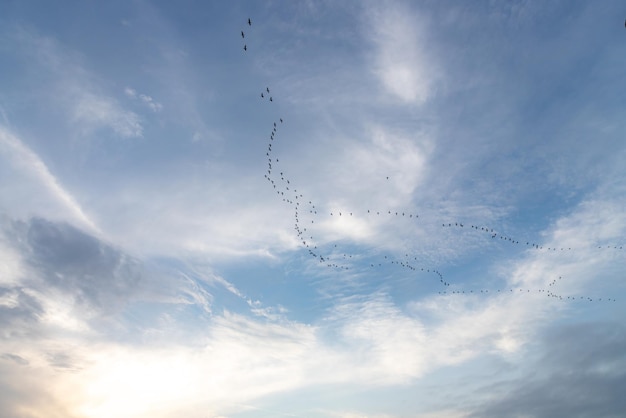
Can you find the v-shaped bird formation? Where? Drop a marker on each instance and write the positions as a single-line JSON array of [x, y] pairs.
[[331, 256]]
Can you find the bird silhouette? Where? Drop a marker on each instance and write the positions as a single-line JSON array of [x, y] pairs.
[[249, 22]]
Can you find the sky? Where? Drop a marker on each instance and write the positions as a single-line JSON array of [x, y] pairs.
[[355, 209]]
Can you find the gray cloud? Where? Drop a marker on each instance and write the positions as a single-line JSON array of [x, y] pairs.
[[62, 361], [98, 276], [15, 358], [581, 374], [19, 313], [66, 277], [69, 259]]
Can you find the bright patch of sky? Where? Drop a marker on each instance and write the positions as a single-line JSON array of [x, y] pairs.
[[335, 210]]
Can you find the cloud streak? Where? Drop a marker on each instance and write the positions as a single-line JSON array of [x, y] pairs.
[[24, 159]]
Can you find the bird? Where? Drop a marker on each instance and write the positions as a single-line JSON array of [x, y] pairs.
[[281, 120], [271, 99], [249, 22], [242, 35], [245, 48], [268, 89]]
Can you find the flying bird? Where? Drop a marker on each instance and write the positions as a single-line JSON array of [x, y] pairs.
[[249, 22], [245, 48], [242, 35]]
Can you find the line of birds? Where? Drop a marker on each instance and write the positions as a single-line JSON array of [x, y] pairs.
[[495, 234], [285, 189], [243, 35], [548, 293]]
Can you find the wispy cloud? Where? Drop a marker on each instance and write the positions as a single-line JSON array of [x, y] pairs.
[[93, 112], [145, 99], [22, 158], [401, 60], [77, 88]]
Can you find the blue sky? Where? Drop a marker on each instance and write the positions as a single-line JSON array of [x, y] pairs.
[[426, 220]]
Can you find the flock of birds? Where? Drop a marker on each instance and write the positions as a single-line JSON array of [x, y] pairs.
[[335, 259]]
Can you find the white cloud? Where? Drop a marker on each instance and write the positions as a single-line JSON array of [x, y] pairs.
[[239, 360], [130, 92], [144, 98], [366, 340], [382, 170], [151, 103], [93, 112], [580, 247], [401, 60], [39, 183], [388, 166], [11, 268], [157, 216]]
